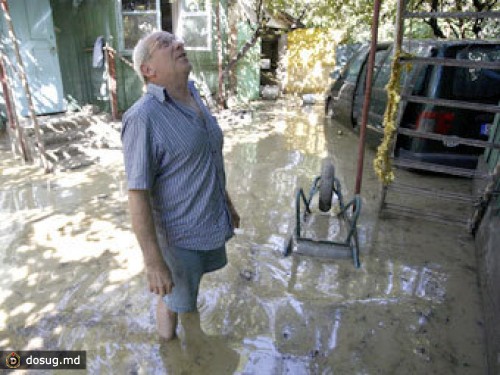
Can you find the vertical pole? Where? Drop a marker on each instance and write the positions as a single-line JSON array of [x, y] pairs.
[[220, 95], [398, 42], [111, 68], [11, 114], [368, 92], [399, 25], [22, 74]]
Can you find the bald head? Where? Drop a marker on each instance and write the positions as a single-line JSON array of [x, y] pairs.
[[146, 46]]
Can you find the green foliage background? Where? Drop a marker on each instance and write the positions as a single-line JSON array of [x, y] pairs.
[[355, 17]]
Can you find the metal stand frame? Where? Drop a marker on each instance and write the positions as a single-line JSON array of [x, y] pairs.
[[324, 248]]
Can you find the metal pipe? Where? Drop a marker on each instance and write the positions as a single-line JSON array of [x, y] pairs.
[[11, 113], [368, 91]]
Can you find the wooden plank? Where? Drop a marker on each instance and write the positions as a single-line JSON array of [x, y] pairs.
[[439, 194], [449, 138], [419, 214], [432, 167], [452, 103], [27, 90]]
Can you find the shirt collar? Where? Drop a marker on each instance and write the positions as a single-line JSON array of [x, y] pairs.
[[157, 91], [160, 92]]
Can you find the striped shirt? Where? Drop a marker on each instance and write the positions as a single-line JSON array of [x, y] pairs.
[[176, 154]]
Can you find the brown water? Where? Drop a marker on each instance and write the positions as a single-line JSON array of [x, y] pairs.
[[72, 273]]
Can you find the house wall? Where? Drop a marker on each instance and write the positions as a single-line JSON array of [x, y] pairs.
[[488, 254], [310, 59], [77, 25], [205, 63], [248, 68], [77, 28], [488, 251]]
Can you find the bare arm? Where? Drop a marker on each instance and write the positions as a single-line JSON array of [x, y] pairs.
[[157, 271], [235, 218]]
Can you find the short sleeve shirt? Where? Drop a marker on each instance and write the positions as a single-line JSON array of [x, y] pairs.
[[176, 154]]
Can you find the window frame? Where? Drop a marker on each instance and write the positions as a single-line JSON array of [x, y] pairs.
[[120, 28], [207, 13]]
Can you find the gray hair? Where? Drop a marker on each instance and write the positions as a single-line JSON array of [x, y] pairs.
[[145, 47]]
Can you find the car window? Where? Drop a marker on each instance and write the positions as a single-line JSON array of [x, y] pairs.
[[474, 83], [384, 72], [407, 72], [352, 71]]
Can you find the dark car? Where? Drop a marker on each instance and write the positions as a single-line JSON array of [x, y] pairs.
[[471, 85]]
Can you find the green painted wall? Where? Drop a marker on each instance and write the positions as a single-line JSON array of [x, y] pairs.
[[248, 69], [78, 24], [77, 28]]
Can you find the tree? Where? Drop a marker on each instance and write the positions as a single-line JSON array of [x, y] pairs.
[[463, 27], [355, 18], [259, 10], [315, 13]]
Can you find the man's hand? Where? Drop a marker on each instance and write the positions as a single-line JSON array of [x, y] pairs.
[[235, 218], [159, 278], [157, 271]]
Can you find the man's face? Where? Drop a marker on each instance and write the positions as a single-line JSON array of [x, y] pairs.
[[167, 61]]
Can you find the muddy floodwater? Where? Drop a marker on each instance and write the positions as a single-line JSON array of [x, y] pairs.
[[72, 272]]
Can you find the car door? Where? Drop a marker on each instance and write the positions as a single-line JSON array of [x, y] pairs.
[[343, 99], [377, 98]]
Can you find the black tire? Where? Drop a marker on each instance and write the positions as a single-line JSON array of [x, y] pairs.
[[326, 185]]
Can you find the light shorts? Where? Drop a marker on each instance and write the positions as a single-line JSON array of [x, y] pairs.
[[187, 267]]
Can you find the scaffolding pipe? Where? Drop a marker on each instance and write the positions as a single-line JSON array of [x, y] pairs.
[[368, 91], [11, 113], [398, 42], [22, 75], [109, 54]]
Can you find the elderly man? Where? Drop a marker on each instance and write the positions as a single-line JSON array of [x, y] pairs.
[[181, 212]]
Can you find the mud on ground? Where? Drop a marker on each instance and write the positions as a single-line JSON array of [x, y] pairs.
[[73, 273]]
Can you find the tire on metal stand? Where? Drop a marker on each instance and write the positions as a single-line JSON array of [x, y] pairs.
[[326, 185]]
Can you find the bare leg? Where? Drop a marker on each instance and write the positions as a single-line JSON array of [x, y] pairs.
[[166, 321]]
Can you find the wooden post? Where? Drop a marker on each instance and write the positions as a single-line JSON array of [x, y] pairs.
[[111, 69], [368, 91], [22, 75], [11, 113], [220, 94]]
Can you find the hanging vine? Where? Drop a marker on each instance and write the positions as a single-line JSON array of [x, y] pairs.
[[382, 162]]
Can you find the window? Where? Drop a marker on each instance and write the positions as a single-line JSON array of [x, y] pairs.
[[138, 19], [354, 67], [189, 19], [195, 24], [475, 84]]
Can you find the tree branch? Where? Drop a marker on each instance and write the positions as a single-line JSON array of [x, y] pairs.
[[242, 51]]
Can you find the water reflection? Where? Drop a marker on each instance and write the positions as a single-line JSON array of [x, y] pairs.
[[73, 274]]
